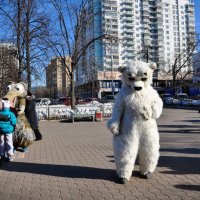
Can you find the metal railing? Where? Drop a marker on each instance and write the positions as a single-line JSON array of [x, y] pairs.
[[51, 112]]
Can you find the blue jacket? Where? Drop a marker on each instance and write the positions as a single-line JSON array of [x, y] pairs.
[[7, 121]]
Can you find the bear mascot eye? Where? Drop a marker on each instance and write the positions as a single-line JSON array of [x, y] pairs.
[[131, 78], [8, 87], [19, 87]]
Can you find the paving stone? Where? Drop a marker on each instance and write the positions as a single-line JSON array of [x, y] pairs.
[[75, 161]]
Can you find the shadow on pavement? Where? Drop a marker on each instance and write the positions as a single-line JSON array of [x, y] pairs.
[[184, 129], [180, 165], [65, 121], [189, 187], [178, 126], [181, 131], [61, 170], [185, 150], [193, 121]]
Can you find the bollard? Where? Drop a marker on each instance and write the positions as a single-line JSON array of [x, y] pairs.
[[98, 116]]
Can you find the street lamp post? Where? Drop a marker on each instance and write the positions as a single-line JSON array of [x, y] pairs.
[[111, 54], [112, 85], [145, 51]]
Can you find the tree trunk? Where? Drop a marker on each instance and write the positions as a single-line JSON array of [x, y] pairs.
[[174, 79], [19, 32], [27, 35], [73, 98]]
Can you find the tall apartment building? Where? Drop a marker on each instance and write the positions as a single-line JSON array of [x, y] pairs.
[[150, 30], [196, 68], [57, 79], [8, 65]]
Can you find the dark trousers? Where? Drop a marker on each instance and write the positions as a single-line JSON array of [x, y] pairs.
[[38, 135]]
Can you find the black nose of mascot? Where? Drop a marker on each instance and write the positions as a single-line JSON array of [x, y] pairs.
[[137, 88]]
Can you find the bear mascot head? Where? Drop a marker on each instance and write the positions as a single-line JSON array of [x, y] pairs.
[[137, 74]]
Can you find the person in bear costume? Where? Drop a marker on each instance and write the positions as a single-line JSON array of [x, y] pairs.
[[23, 135], [133, 121]]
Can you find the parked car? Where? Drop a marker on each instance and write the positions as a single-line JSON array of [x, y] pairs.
[[168, 101], [196, 102], [53, 101], [182, 96], [186, 102], [107, 99], [64, 101], [42, 101], [91, 100], [177, 102], [166, 97]]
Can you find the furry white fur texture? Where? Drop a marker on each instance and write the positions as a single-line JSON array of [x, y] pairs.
[[133, 121]]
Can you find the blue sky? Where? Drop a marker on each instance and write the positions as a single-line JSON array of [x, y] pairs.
[[197, 15]]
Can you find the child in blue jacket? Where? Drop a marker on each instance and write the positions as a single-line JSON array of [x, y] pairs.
[[7, 122]]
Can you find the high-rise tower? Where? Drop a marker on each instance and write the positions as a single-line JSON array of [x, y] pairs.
[[150, 30]]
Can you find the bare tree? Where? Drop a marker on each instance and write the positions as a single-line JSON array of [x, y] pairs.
[[181, 67], [27, 26], [73, 19], [36, 29], [8, 65], [11, 12]]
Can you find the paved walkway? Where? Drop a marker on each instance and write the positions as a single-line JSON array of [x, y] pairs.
[[75, 161]]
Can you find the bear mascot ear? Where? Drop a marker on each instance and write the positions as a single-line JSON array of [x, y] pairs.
[[25, 85], [121, 68], [152, 66], [11, 82]]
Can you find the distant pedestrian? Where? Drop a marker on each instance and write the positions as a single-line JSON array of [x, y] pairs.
[[7, 122], [30, 112]]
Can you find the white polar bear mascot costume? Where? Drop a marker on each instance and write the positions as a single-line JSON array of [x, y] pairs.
[[133, 121]]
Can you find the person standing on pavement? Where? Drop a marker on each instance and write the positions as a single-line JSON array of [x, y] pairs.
[[7, 122], [31, 115]]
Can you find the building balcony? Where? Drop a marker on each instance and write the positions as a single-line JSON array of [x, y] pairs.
[[127, 36], [127, 6], [152, 16], [128, 25], [126, 12], [127, 46], [128, 49], [191, 25], [125, 9], [146, 20], [159, 10], [146, 32], [146, 26], [190, 8], [127, 19], [160, 40], [126, 30]]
